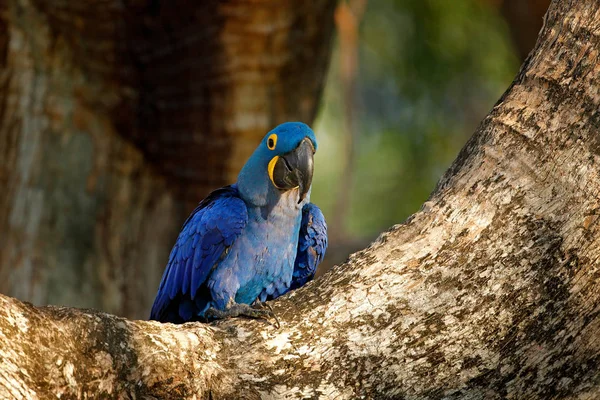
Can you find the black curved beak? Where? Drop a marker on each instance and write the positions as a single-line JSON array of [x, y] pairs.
[[295, 169]]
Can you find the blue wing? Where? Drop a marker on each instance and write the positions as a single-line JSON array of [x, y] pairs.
[[203, 242], [312, 244]]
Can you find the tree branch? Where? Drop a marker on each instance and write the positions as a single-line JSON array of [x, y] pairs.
[[491, 290]]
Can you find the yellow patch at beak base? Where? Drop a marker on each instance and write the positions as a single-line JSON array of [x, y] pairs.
[[271, 167]]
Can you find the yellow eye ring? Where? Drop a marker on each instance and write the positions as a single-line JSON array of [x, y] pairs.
[[272, 141]]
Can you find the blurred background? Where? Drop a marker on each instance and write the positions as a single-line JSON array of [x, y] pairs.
[[117, 117]]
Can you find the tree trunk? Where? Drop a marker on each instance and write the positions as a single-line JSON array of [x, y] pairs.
[[490, 291], [117, 117]]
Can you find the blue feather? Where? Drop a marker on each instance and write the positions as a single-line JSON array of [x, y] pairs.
[[189, 267], [312, 245]]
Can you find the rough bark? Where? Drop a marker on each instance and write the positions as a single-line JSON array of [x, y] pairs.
[[117, 117], [490, 291]]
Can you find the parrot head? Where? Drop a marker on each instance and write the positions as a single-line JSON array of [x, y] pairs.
[[283, 161]]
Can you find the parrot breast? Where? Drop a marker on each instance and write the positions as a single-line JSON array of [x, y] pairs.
[[261, 261]]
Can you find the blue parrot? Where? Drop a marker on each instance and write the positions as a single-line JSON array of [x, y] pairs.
[[251, 241]]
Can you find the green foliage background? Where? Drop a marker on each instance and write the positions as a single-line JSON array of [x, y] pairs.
[[429, 71]]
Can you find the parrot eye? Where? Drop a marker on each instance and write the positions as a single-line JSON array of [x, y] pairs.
[[272, 141]]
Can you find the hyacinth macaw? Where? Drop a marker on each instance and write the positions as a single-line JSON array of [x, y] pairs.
[[251, 241]]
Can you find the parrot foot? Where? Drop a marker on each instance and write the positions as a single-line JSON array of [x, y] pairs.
[[262, 305], [240, 309]]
